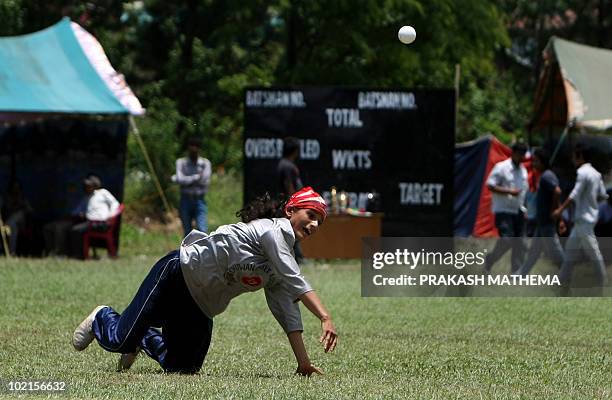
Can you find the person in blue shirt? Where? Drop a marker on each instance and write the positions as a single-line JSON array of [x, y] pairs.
[[545, 236]]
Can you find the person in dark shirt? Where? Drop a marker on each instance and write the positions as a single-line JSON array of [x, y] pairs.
[[603, 229], [547, 199], [16, 211], [289, 180], [604, 222], [288, 174]]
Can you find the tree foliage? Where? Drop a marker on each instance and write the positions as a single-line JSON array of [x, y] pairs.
[[11, 13], [189, 61]]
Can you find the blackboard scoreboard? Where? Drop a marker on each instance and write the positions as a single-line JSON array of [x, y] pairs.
[[398, 143]]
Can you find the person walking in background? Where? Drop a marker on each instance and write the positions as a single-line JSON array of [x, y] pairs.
[[604, 222], [604, 226], [545, 236], [289, 179], [587, 192], [533, 179], [508, 184], [193, 176]]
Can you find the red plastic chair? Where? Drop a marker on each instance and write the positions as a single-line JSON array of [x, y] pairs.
[[109, 236]]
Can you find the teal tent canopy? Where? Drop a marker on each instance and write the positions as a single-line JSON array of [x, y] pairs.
[[61, 69]]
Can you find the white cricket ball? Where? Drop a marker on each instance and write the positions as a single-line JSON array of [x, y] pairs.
[[406, 34]]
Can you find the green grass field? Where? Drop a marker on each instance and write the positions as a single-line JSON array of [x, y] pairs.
[[401, 348]]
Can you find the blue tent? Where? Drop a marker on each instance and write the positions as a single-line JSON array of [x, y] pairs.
[[473, 163]]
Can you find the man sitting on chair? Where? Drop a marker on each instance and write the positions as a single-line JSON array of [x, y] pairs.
[[97, 207]]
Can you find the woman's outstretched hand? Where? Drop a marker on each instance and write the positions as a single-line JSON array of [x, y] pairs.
[[329, 336], [308, 370]]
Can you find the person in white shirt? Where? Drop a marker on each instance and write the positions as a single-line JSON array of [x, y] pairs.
[[64, 236], [508, 185], [588, 190], [188, 287], [96, 207]]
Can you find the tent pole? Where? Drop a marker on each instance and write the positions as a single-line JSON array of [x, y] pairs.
[[149, 163], [561, 139], [7, 253], [457, 81]]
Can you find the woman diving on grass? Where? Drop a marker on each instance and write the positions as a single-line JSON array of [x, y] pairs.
[[188, 287]]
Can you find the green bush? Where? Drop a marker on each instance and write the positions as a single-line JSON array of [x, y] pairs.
[[224, 199], [142, 232]]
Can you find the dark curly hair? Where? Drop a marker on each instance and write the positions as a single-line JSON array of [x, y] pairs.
[[262, 207], [543, 155]]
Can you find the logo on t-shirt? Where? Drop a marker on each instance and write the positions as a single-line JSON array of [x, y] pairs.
[[250, 275], [252, 280]]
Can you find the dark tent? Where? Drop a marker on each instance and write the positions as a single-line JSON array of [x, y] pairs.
[[573, 102], [575, 88], [63, 114]]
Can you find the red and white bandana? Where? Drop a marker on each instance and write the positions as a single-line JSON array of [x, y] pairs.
[[308, 198]]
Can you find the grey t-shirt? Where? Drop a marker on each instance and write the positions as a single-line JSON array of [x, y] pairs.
[[194, 178], [587, 192], [240, 258]]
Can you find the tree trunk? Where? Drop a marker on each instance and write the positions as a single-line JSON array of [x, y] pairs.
[[601, 20], [189, 33], [291, 38]]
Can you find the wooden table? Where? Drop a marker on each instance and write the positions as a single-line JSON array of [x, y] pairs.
[[340, 236]]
